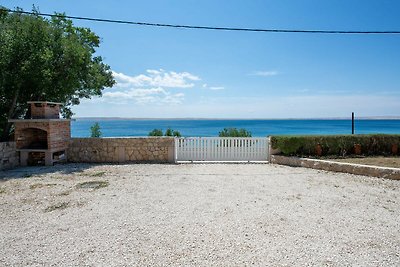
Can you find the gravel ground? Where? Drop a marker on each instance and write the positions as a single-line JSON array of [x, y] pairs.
[[197, 215]]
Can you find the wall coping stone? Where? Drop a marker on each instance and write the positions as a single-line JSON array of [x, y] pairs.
[[38, 120], [357, 169], [127, 137]]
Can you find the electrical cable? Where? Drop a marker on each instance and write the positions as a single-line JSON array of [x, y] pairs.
[[206, 27]]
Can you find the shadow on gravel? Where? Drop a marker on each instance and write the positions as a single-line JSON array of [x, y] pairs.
[[26, 172]]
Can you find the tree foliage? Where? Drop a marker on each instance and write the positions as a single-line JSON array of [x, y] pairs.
[[156, 132], [168, 132], [46, 59], [234, 132], [95, 130]]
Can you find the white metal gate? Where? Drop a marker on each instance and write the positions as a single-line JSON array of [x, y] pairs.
[[221, 149]]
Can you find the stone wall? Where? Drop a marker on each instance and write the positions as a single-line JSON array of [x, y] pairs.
[[272, 151], [119, 150], [9, 157], [382, 172]]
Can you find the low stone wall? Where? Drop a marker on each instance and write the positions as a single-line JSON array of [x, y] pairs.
[[9, 157], [382, 172], [119, 150]]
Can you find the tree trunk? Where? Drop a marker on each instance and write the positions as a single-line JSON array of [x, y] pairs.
[[6, 131]]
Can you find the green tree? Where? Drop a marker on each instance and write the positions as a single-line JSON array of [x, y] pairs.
[[156, 132], [176, 134], [234, 132], [46, 59], [95, 130], [168, 132]]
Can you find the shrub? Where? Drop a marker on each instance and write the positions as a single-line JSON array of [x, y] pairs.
[[176, 134], [168, 132], [335, 145], [156, 132], [95, 130], [234, 132]]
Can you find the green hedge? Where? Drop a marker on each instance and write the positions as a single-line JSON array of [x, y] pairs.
[[335, 145]]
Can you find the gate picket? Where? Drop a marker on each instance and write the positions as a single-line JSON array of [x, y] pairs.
[[221, 149]]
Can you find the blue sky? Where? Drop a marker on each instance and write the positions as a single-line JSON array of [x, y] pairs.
[[211, 74]]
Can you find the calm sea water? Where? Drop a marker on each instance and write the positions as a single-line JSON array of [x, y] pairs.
[[258, 128]]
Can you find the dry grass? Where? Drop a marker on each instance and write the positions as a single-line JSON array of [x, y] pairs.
[[93, 184], [58, 206], [93, 174], [392, 162], [35, 186]]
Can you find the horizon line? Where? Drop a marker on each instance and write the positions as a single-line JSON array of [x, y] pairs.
[[202, 118]]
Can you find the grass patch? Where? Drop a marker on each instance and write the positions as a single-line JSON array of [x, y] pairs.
[[65, 193], [93, 185], [388, 209], [58, 206], [35, 186], [95, 174], [2, 191]]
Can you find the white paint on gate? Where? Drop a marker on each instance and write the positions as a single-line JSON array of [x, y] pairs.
[[221, 149]]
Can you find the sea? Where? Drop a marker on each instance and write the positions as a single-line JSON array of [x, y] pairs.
[[212, 127]]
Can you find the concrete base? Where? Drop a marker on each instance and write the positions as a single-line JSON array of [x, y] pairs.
[[48, 156]]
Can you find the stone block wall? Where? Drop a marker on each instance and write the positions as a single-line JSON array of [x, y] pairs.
[[119, 150], [382, 172], [9, 157]]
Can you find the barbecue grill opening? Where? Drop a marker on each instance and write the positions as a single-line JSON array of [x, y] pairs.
[[33, 138]]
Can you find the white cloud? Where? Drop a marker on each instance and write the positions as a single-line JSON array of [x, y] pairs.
[[157, 78], [217, 88], [265, 73], [150, 87], [205, 86], [173, 98], [134, 93], [144, 96], [309, 106], [302, 91]]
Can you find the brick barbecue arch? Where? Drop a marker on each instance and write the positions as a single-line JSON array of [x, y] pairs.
[[32, 138]]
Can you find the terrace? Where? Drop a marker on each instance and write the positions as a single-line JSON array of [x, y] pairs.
[[196, 214]]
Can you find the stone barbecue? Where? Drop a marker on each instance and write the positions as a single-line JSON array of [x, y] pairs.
[[44, 138]]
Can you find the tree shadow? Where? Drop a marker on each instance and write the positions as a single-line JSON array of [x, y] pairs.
[[26, 172]]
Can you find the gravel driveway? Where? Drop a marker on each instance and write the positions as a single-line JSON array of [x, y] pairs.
[[196, 215]]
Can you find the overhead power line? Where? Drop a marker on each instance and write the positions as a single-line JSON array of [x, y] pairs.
[[207, 27]]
